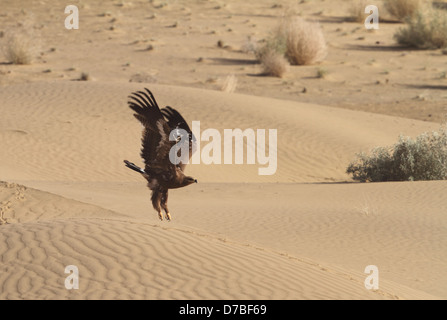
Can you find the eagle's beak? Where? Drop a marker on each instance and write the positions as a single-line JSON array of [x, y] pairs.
[[195, 180]]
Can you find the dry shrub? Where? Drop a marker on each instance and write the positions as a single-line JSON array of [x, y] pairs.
[[23, 42], [19, 49], [423, 158], [296, 41], [321, 73], [275, 43], [402, 9], [274, 63], [304, 41], [425, 30]]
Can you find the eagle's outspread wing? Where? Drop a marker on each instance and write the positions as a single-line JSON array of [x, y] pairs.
[[176, 121], [160, 173], [155, 141]]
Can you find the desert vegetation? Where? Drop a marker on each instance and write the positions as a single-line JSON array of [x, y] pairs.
[[295, 41], [304, 41], [22, 42], [426, 29], [19, 49], [422, 158], [274, 63], [244, 231], [402, 9], [321, 73]]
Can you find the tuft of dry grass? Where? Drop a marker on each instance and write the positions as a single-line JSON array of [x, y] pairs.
[[304, 41], [321, 73], [275, 43], [274, 63], [19, 49], [301, 42], [23, 42], [401, 9]]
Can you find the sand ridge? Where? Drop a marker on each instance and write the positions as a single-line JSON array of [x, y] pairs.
[[311, 138], [85, 164], [122, 258]]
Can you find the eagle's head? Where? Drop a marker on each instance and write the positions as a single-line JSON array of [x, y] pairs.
[[189, 180]]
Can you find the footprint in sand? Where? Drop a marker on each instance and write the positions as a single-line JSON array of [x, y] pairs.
[[4, 207], [7, 204]]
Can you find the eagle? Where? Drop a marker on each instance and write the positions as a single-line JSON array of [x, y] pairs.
[[164, 130]]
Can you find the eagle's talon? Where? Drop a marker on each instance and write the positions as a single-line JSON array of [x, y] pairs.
[[168, 216], [160, 216]]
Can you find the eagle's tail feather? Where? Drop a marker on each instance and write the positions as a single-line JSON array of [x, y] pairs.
[[133, 166]]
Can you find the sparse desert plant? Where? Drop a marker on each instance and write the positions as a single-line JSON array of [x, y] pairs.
[[401, 9], [357, 10], [19, 49], [23, 42], [304, 41], [425, 30], [275, 43], [300, 41], [321, 73], [377, 166], [274, 63], [423, 158]]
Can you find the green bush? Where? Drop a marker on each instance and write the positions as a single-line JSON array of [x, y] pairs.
[[423, 158], [424, 30]]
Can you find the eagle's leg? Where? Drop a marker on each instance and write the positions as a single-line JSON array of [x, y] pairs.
[[164, 205], [156, 199]]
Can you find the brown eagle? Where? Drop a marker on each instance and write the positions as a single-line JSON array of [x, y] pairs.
[[160, 172]]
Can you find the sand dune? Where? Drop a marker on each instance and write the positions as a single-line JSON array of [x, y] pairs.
[[238, 238], [127, 258], [84, 131], [306, 232]]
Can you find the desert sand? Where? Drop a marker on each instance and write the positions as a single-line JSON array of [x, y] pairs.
[[306, 232]]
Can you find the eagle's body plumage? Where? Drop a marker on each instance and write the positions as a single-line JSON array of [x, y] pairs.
[[161, 174]]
